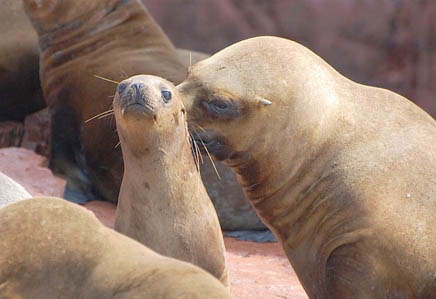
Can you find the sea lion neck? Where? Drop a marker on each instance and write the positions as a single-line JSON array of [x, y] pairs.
[[90, 25]]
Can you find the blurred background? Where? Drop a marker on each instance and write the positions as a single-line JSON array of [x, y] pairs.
[[385, 43]]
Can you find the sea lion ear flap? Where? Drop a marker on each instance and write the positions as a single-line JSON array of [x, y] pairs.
[[183, 109], [263, 101]]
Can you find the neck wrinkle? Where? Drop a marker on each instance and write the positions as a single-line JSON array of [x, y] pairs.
[[69, 35]]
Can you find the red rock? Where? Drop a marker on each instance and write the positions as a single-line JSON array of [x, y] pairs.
[[11, 133], [37, 132], [30, 170], [261, 270], [103, 210]]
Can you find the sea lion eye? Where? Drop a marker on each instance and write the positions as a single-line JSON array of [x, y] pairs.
[[219, 106], [166, 95], [121, 87]]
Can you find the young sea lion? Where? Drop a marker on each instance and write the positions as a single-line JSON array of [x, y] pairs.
[[343, 174], [163, 203]]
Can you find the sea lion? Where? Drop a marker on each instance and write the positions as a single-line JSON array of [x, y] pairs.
[[163, 203], [11, 191], [343, 174], [50, 248], [20, 93], [79, 39]]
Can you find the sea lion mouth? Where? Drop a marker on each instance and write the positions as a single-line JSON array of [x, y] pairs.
[[211, 142], [138, 109]]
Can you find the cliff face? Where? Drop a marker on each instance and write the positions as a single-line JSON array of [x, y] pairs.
[[386, 43]]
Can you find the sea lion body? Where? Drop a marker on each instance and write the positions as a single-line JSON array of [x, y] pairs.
[[50, 248], [80, 39], [163, 203], [20, 93], [343, 174], [11, 191]]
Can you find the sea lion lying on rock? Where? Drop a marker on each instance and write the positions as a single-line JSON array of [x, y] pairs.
[[50, 248]]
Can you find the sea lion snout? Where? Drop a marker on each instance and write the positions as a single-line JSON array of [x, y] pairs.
[[135, 98], [135, 93]]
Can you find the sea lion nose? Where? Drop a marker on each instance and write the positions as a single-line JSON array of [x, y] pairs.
[[137, 87]]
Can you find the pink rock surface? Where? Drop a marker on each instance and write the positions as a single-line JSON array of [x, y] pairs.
[[257, 270], [261, 270], [103, 210], [37, 132], [11, 133], [30, 170]]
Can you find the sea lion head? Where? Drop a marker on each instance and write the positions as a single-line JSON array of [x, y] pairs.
[[260, 99], [147, 110], [50, 15]]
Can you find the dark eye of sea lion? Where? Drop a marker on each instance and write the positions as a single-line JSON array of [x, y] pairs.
[[121, 87], [223, 108], [166, 95], [219, 106]]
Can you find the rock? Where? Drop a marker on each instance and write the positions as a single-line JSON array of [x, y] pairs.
[[261, 270], [30, 170], [390, 44], [11, 133], [37, 132], [103, 210]]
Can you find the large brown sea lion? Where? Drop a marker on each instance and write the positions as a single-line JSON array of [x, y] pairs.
[[50, 248], [343, 174], [163, 203], [20, 93], [11, 191], [79, 39]]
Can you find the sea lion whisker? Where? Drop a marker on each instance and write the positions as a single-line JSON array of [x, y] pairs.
[[118, 144], [196, 151], [200, 127], [197, 148], [193, 149], [108, 112], [199, 154], [190, 59], [207, 152], [211, 160], [106, 79], [123, 72], [105, 115]]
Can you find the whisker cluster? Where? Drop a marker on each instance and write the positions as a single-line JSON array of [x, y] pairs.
[[207, 151]]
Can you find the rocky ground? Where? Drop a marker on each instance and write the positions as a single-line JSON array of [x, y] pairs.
[[257, 271]]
